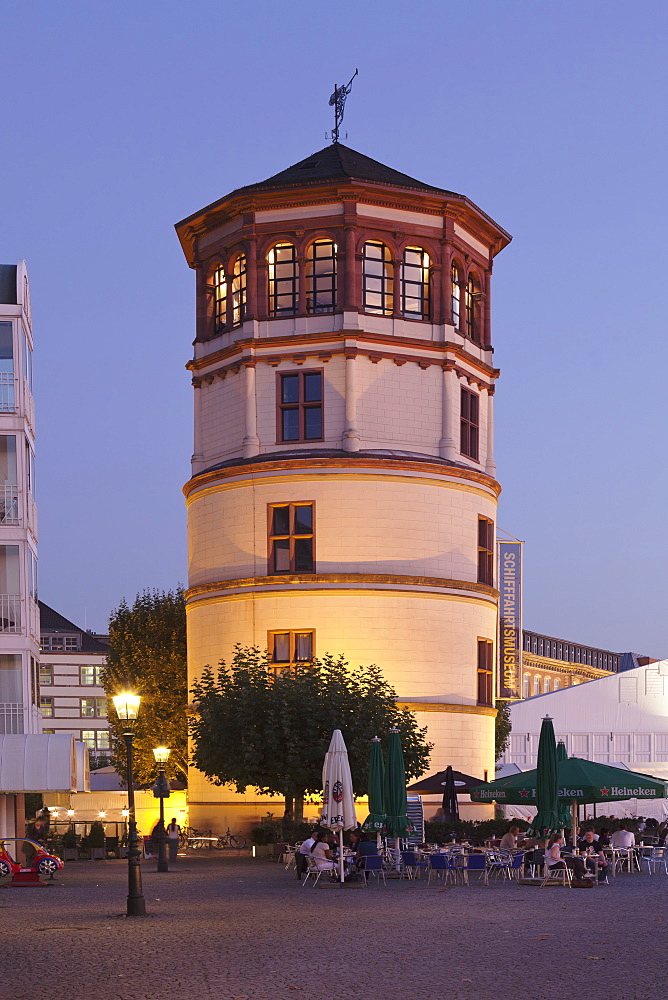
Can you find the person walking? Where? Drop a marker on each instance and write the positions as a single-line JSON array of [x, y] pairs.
[[173, 834]]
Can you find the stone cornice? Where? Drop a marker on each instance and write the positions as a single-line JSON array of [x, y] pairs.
[[531, 661], [355, 580], [435, 706], [293, 463]]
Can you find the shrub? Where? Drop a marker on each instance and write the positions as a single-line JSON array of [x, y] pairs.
[[96, 835], [70, 838]]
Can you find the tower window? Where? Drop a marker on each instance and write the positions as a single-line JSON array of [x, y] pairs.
[[219, 298], [485, 671], [300, 406], [378, 279], [472, 299], [283, 280], [456, 293], [469, 424], [486, 551], [239, 290], [415, 284], [291, 538], [321, 277], [291, 649]]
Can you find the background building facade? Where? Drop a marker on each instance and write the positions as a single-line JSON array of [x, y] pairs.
[[344, 496]]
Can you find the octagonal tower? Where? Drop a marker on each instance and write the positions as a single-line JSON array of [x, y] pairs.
[[343, 492]]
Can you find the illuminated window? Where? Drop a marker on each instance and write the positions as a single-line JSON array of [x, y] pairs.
[[456, 284], [291, 649], [91, 675], [291, 538], [536, 685], [300, 406], [415, 284], [546, 686], [472, 298], [239, 290], [94, 708], [557, 684], [469, 429], [45, 674], [321, 277], [219, 298], [60, 643], [525, 685], [485, 671], [46, 706], [283, 280], [378, 279], [486, 551], [96, 739]]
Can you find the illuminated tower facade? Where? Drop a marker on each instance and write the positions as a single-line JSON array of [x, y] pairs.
[[343, 492]]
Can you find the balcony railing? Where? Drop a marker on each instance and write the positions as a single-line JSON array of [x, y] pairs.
[[7, 392], [9, 505], [11, 717], [10, 613]]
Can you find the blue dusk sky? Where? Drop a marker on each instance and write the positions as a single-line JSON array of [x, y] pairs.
[[120, 119]]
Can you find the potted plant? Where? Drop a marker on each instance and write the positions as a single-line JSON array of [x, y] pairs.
[[96, 841], [70, 852]]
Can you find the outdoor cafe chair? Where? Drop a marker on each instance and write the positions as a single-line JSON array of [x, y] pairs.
[[373, 865], [557, 874], [413, 863], [443, 867], [476, 863], [657, 856], [312, 871]]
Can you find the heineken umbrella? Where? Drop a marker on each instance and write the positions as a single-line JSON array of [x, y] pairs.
[[547, 819], [396, 803], [435, 783], [450, 807], [375, 821], [338, 800]]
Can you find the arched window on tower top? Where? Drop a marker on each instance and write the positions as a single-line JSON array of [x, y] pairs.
[[219, 298], [283, 280], [321, 277], [378, 279], [456, 293], [239, 290], [472, 308], [415, 284]]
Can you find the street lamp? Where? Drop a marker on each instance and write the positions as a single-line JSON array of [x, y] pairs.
[[161, 791], [127, 707]]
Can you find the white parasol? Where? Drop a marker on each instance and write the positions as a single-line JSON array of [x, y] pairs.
[[338, 801]]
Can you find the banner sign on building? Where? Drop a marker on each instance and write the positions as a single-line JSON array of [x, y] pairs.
[[510, 620]]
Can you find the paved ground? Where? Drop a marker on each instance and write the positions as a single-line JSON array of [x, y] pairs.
[[225, 928]]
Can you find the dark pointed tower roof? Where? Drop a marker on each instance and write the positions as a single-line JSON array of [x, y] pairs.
[[336, 163]]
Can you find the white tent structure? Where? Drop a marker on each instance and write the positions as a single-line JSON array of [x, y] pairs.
[[620, 720]]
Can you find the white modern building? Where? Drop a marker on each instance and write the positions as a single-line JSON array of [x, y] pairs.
[[343, 493]]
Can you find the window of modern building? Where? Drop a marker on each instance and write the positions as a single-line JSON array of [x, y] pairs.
[[300, 406], [48, 732], [9, 491], [291, 538], [469, 427], [32, 575], [94, 708], [456, 295], [60, 643], [96, 739], [486, 551], [11, 678], [27, 360], [30, 469], [45, 675], [219, 289], [472, 299], [291, 649], [321, 277], [10, 589], [46, 707], [283, 280], [378, 279], [415, 284], [485, 671], [239, 290], [91, 674], [7, 393]]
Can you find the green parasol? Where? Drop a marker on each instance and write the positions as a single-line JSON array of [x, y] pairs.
[[375, 821], [547, 820], [396, 803], [561, 751], [564, 810]]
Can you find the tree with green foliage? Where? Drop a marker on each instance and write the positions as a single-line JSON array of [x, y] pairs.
[[271, 732], [147, 654], [503, 728]]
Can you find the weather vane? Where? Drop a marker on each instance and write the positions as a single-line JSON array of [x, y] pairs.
[[338, 102]]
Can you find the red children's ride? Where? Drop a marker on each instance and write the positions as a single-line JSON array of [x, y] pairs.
[[43, 863]]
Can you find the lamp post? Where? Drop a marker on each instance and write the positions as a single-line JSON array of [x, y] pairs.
[[127, 707], [161, 791]]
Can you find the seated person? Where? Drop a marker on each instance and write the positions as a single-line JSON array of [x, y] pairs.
[[553, 858], [622, 837], [603, 837], [366, 848], [321, 853], [593, 852], [509, 839]]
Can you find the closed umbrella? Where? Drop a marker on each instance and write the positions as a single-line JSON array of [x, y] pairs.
[[450, 806], [375, 821], [338, 800], [547, 819], [396, 802], [564, 808]]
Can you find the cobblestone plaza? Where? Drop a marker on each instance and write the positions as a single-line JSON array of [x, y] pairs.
[[227, 928]]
